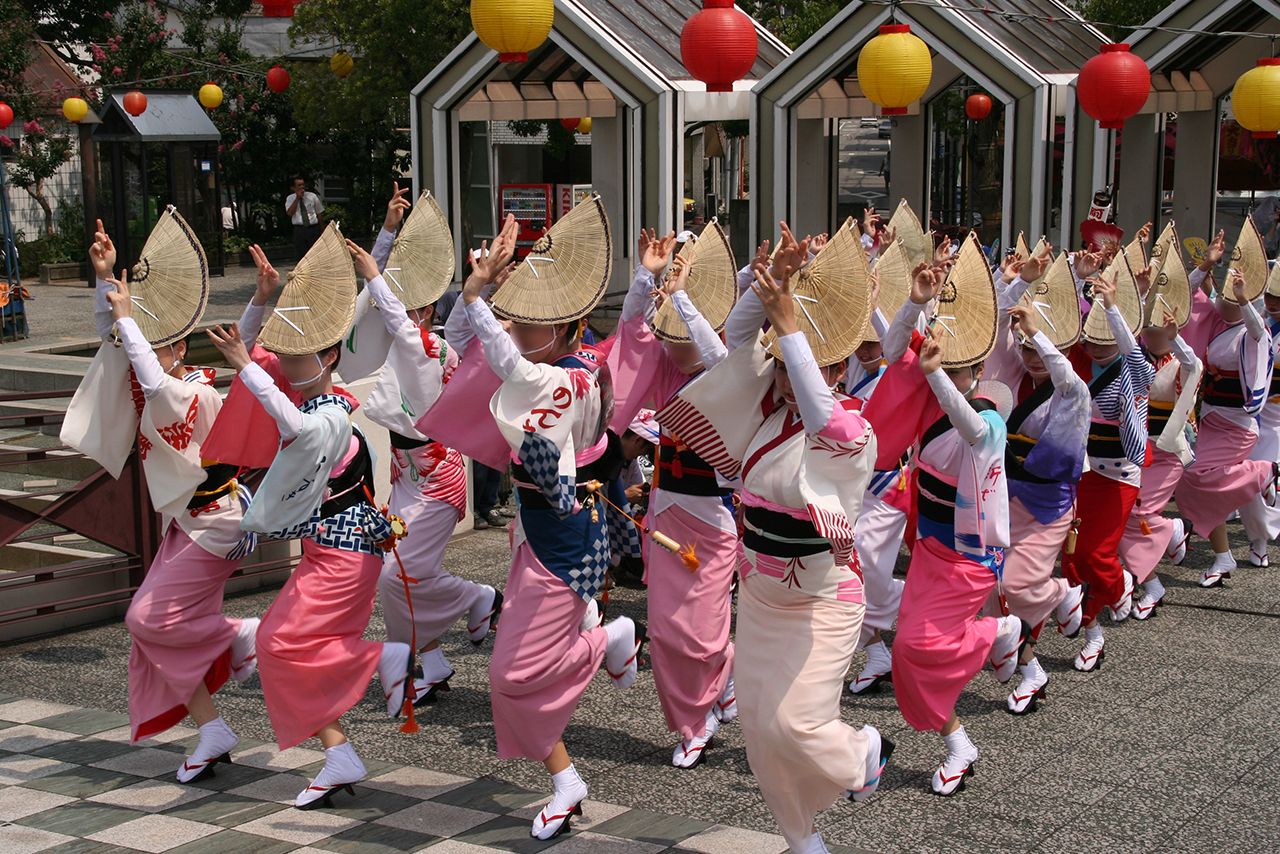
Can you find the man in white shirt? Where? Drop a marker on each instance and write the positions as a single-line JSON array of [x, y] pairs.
[[305, 210]]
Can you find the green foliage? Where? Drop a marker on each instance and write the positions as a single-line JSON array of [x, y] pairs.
[[15, 55], [793, 22], [66, 245], [1119, 17]]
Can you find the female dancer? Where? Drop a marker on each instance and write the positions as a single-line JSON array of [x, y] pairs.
[[962, 529], [689, 612], [1223, 478], [319, 488], [428, 481], [805, 457], [549, 405], [183, 649], [1117, 450]]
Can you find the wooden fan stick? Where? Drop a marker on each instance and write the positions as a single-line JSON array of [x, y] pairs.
[[686, 553]]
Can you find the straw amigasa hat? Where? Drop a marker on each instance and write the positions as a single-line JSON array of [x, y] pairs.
[[894, 271], [906, 226], [1250, 258], [712, 285], [169, 285], [1054, 305], [421, 264], [318, 302], [833, 299], [1136, 256], [565, 274], [1128, 300], [1170, 287], [965, 320], [1273, 281], [1020, 249]]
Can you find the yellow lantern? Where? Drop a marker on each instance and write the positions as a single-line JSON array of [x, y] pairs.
[[584, 126], [513, 27], [1256, 99], [210, 96], [894, 69], [341, 64], [75, 109]]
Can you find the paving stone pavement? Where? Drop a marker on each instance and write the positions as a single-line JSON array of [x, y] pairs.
[[1171, 746]]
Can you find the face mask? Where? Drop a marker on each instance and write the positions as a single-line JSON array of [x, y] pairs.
[[313, 380]]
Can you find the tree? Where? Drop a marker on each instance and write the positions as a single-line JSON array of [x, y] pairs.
[[794, 22], [37, 157], [1119, 17]]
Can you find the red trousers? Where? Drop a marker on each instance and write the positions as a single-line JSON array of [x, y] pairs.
[[1103, 506]]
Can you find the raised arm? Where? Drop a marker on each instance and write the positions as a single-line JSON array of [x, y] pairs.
[[268, 282], [654, 253], [146, 367], [710, 348], [499, 349], [277, 404], [102, 253], [396, 208], [394, 317], [971, 426]]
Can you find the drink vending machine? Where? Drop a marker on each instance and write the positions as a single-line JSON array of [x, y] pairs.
[[532, 206]]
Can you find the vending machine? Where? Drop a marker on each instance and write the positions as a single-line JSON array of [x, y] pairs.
[[569, 196], [532, 206]]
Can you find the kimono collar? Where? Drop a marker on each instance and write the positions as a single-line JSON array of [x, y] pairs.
[[337, 398]]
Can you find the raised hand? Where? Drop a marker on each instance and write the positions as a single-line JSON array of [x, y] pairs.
[[366, 267], [396, 208], [1170, 324], [930, 353], [816, 244], [102, 253], [1144, 234], [119, 299], [1143, 278], [870, 222], [1034, 267], [227, 340], [791, 256], [1235, 281], [779, 306], [1104, 288], [942, 253], [679, 278], [1087, 264], [1215, 252], [268, 278], [655, 252], [1022, 321], [874, 296], [926, 281]]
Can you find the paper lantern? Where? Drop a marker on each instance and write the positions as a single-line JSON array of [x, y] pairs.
[[1256, 99], [894, 69], [278, 8], [210, 96], [6, 115], [977, 106], [278, 79], [135, 103], [719, 45], [341, 64], [75, 109], [570, 125], [584, 126], [1113, 86], [513, 27]]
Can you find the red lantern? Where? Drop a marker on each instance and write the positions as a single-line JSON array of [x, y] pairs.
[[278, 79], [977, 106], [135, 103], [571, 125], [6, 115], [278, 8], [1113, 86], [719, 45]]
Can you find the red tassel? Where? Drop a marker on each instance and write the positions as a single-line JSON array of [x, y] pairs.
[[410, 724], [1146, 529]]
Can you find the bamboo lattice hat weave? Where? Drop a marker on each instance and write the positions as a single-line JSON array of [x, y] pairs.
[[421, 264], [712, 285], [1273, 281], [833, 299], [318, 302], [169, 286], [906, 226], [1096, 328], [894, 272], [1054, 305], [1136, 256], [1250, 258], [565, 274], [1170, 286], [965, 319]]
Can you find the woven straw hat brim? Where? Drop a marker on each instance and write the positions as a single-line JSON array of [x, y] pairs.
[[566, 273], [1020, 249], [318, 302], [1096, 328], [422, 263], [1250, 258], [1136, 256], [833, 299], [894, 271], [966, 320], [1170, 286], [906, 226], [1273, 281], [712, 285], [1054, 305], [998, 393], [169, 285]]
